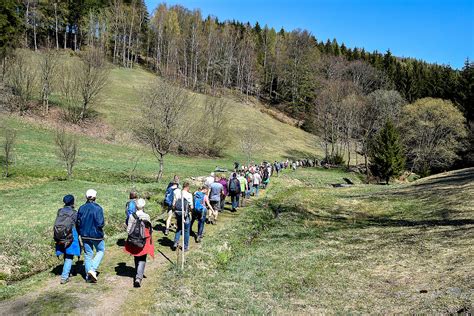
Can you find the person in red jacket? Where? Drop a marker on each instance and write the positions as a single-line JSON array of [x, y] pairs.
[[140, 254]]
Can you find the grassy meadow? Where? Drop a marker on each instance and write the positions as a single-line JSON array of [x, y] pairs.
[[302, 247], [32, 194], [309, 248]]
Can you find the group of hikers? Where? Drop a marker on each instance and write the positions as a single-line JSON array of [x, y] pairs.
[[203, 206]]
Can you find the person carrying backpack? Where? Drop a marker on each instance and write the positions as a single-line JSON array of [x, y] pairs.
[[265, 178], [201, 205], [182, 204], [66, 237], [90, 223], [234, 191], [168, 204], [131, 206], [140, 242]]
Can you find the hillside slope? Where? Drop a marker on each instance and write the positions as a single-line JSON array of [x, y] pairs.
[[110, 164], [122, 98]]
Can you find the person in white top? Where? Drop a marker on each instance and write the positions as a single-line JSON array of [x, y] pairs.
[[182, 211], [257, 180]]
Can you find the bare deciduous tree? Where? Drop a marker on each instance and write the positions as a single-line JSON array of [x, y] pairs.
[[67, 146], [9, 137], [22, 78], [163, 123], [249, 144], [48, 65], [91, 76], [215, 117]]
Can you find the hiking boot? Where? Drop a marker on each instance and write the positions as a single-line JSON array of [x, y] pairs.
[[92, 276], [175, 246], [198, 239], [64, 281], [186, 249], [167, 231], [137, 283]]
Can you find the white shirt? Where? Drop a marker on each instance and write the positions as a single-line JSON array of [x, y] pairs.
[[186, 195], [256, 178]]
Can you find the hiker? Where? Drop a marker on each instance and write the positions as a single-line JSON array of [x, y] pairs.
[[265, 178], [135, 248], [210, 180], [249, 177], [243, 187], [90, 222], [234, 191], [168, 201], [216, 191], [257, 180], [182, 204], [131, 206], [201, 205], [225, 192], [66, 237]]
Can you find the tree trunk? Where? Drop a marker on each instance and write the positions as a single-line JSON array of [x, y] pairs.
[[56, 26], [160, 172], [366, 167], [65, 36]]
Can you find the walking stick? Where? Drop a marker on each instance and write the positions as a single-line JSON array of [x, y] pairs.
[[182, 229]]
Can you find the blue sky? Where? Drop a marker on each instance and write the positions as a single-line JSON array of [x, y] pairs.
[[432, 30]]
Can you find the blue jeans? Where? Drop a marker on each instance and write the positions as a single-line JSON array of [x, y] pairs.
[[255, 189], [235, 201], [91, 262], [201, 221], [187, 226], [67, 266]]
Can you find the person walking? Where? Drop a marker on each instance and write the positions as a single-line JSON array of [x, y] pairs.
[[131, 206], [67, 214], [201, 207], [243, 187], [168, 204], [234, 191], [183, 203], [257, 180], [210, 180], [216, 191], [140, 253], [225, 192], [90, 222]]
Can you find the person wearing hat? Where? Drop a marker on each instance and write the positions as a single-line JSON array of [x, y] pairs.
[[90, 223], [140, 254], [74, 249]]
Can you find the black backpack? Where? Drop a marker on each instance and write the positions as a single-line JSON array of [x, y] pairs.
[[179, 208], [63, 228], [234, 185], [137, 237]]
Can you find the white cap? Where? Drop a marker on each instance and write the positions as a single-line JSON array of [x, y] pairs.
[[91, 193], [141, 203], [212, 174]]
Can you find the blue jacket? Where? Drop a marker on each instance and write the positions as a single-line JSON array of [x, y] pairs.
[[75, 247], [90, 221], [130, 208]]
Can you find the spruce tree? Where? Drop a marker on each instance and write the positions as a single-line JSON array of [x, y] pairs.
[[387, 157]]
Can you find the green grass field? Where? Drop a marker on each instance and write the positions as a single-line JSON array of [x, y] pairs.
[[309, 248], [303, 247], [32, 195]]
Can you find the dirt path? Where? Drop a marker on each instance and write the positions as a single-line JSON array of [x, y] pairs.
[[115, 281]]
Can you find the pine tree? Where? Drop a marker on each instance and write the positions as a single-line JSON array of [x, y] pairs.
[[387, 157]]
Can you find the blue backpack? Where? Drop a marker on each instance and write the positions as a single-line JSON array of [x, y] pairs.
[[199, 201], [169, 196]]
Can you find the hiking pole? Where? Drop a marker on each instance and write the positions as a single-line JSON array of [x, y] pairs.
[[182, 229]]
